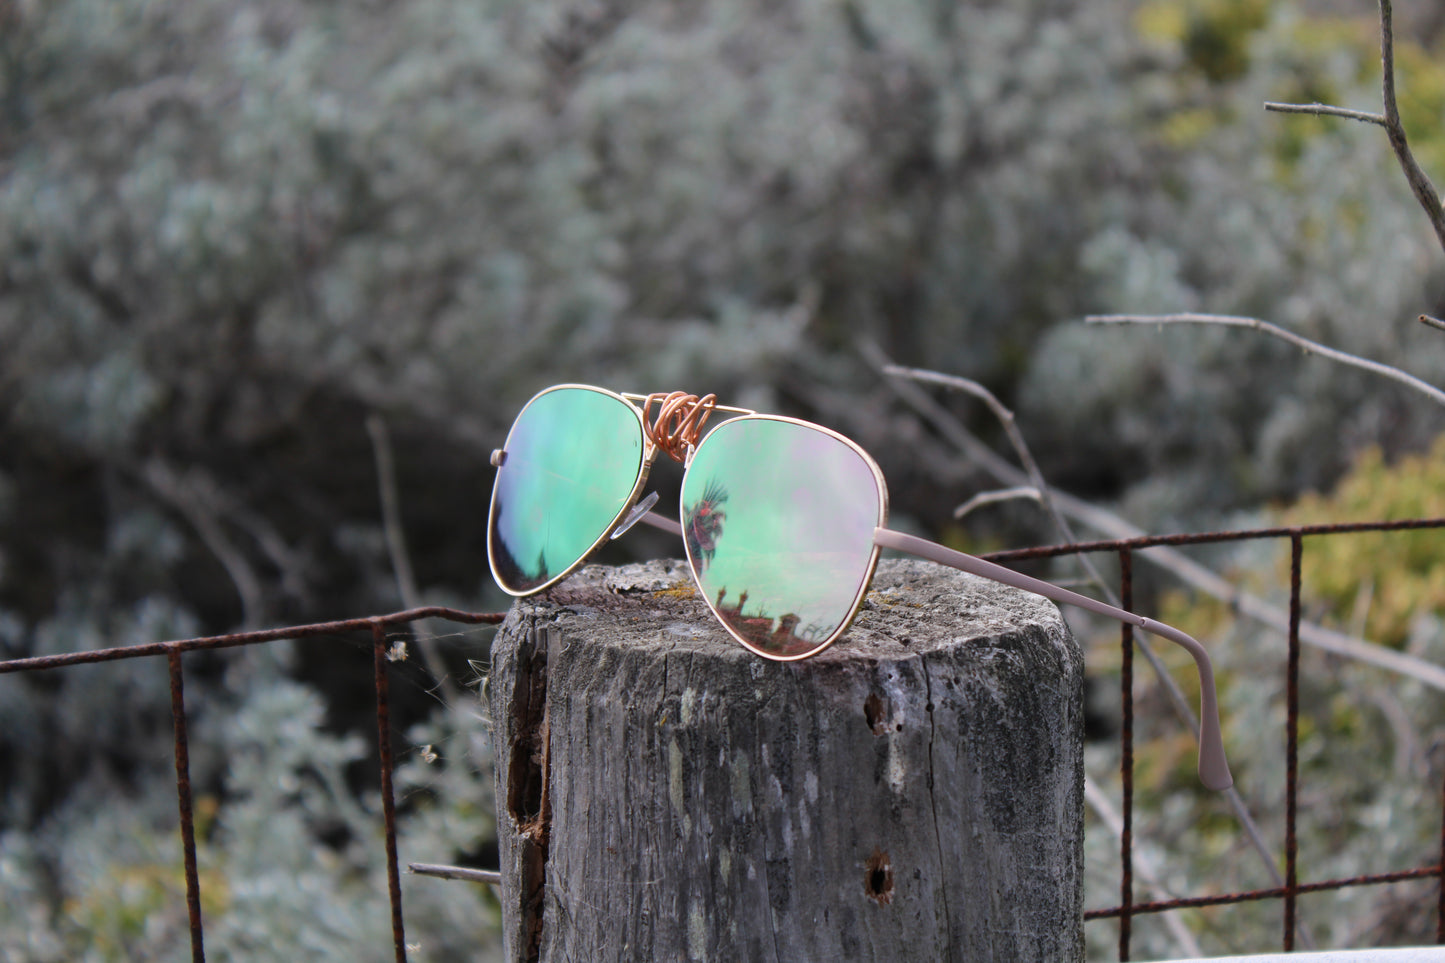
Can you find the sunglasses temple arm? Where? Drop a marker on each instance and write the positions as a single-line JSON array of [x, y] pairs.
[[662, 522], [1213, 767]]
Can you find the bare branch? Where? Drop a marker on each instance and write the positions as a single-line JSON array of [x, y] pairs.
[[182, 493], [1036, 480], [289, 562], [1250, 606], [400, 558], [995, 497], [391, 510], [1021, 448], [1171, 560], [1419, 182], [1325, 110], [1310, 347], [985, 457]]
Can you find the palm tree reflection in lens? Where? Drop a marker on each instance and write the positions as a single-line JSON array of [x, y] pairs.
[[784, 566], [703, 523]]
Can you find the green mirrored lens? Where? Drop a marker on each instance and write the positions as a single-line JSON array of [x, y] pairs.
[[778, 520], [573, 460]]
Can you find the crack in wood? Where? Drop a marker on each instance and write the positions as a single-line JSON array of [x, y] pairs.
[[527, 783], [933, 801]]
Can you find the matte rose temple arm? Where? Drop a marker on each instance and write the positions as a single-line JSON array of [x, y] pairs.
[[1213, 766]]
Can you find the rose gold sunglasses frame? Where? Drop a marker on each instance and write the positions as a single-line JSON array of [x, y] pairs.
[[676, 430]]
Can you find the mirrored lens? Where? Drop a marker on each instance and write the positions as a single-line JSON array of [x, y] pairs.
[[778, 519], [573, 461]]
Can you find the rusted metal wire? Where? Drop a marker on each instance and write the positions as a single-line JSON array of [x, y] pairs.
[[1256, 895], [1205, 538], [1126, 763], [1291, 764], [183, 797], [1293, 888], [388, 800], [172, 650], [40, 662]]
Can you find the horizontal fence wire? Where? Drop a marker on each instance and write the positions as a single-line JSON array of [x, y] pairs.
[[1124, 548], [1293, 888]]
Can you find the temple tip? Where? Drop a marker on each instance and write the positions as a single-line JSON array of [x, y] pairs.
[[1213, 767]]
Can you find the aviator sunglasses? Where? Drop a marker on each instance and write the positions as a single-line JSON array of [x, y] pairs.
[[782, 520]]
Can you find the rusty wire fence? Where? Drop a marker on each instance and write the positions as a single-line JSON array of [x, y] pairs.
[[1124, 912], [1293, 888], [172, 651]]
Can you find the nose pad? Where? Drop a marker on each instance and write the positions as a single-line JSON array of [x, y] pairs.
[[635, 516]]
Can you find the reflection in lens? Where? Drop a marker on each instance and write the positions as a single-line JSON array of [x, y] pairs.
[[785, 565], [573, 460], [704, 524]]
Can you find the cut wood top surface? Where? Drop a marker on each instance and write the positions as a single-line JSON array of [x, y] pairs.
[[912, 607]]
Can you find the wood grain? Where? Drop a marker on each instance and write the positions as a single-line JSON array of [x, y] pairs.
[[913, 793]]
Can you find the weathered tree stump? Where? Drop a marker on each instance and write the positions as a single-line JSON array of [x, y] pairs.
[[915, 793]]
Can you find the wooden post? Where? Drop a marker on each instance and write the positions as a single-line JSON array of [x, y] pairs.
[[915, 793]]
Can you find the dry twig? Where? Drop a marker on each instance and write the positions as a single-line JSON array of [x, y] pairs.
[[192, 496], [400, 558], [1016, 439], [1420, 185], [1002, 470], [1310, 347], [996, 497]]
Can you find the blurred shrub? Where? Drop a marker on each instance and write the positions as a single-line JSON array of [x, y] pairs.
[[229, 232], [1378, 584], [1301, 221], [290, 856]]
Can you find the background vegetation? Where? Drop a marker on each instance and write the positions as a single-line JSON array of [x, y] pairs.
[[232, 231]]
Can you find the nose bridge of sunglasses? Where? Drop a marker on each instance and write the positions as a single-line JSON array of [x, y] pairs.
[[678, 424]]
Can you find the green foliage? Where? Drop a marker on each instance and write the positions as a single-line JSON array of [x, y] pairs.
[[1420, 91], [1379, 584], [1214, 35], [1272, 216]]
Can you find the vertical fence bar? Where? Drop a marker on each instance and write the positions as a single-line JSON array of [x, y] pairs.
[[1440, 913], [183, 797], [1291, 791], [1126, 764], [388, 801]]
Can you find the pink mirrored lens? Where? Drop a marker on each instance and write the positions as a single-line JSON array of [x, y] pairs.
[[778, 519]]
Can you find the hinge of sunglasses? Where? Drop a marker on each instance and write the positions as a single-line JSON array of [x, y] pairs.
[[499, 457], [635, 516]]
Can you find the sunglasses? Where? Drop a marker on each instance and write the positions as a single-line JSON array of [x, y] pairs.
[[782, 520]]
